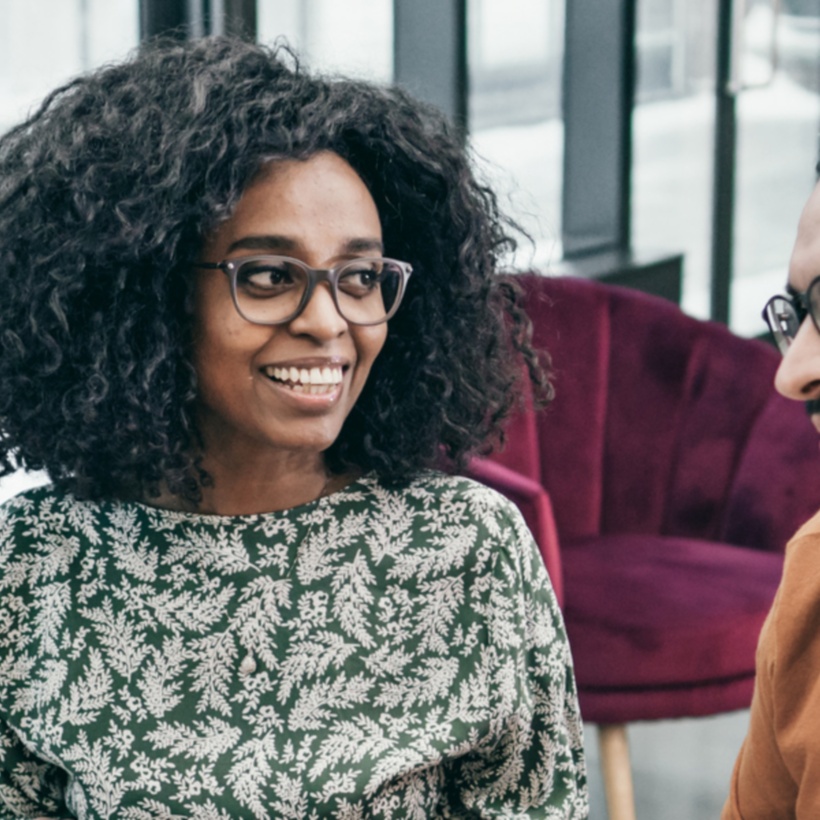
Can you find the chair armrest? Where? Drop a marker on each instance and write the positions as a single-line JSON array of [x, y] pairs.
[[534, 502]]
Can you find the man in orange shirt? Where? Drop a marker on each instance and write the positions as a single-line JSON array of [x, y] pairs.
[[777, 774]]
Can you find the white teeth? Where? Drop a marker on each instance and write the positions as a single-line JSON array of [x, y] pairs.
[[306, 377], [311, 389]]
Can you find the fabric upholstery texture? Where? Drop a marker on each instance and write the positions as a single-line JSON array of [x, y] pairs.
[[677, 475], [531, 498]]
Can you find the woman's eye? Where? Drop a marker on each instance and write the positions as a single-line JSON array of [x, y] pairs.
[[267, 278], [360, 281]]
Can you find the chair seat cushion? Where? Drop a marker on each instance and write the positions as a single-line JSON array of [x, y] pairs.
[[644, 612]]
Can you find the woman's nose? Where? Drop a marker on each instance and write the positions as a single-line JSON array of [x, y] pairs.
[[319, 318], [798, 376]]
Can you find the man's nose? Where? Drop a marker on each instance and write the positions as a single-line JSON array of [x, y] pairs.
[[798, 376]]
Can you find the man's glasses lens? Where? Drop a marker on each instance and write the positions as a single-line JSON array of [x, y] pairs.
[[785, 314], [782, 318], [270, 290]]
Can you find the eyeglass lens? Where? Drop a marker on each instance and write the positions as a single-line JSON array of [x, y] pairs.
[[785, 314], [272, 290]]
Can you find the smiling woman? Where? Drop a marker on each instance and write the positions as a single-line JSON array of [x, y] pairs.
[[249, 314]]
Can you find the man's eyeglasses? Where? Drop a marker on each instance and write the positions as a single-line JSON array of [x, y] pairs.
[[785, 314], [273, 290]]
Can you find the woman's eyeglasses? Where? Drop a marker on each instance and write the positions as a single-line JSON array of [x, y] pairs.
[[273, 290], [785, 314]]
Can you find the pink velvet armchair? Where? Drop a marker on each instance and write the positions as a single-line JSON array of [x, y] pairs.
[[676, 475]]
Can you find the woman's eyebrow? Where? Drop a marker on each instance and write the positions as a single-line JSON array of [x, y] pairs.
[[364, 244], [263, 243], [791, 290], [268, 242]]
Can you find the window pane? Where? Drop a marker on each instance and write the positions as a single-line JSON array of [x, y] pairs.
[[354, 38], [777, 151], [673, 137], [515, 50], [78, 35]]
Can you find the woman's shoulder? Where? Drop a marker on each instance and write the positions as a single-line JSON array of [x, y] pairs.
[[452, 508], [42, 499], [28, 505], [37, 545], [431, 486], [454, 497], [44, 519]]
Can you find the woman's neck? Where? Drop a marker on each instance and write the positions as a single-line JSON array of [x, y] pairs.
[[250, 486], [259, 493]]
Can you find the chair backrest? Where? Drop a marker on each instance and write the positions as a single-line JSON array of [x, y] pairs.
[[662, 424]]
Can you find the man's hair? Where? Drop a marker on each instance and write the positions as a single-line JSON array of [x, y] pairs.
[[106, 193]]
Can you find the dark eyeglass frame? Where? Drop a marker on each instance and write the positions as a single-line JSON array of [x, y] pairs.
[[801, 305], [231, 268]]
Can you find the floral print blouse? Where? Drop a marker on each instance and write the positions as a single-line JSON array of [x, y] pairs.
[[384, 653]]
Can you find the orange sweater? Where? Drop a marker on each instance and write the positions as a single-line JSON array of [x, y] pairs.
[[777, 773]]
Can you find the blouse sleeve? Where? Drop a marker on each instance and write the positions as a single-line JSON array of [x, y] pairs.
[[531, 762], [29, 787]]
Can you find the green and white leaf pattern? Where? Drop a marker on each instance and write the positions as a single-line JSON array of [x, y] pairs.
[[376, 653]]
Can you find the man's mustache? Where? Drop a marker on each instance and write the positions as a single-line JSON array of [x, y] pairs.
[[813, 406]]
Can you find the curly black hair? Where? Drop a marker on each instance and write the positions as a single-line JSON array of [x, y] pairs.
[[106, 193]]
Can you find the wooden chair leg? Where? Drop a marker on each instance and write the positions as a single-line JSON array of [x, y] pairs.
[[617, 771]]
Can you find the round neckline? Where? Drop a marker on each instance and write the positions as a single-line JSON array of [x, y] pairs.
[[192, 515]]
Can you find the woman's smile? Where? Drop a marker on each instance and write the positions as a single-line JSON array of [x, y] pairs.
[[313, 383]]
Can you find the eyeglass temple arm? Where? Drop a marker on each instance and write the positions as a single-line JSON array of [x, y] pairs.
[[210, 265]]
